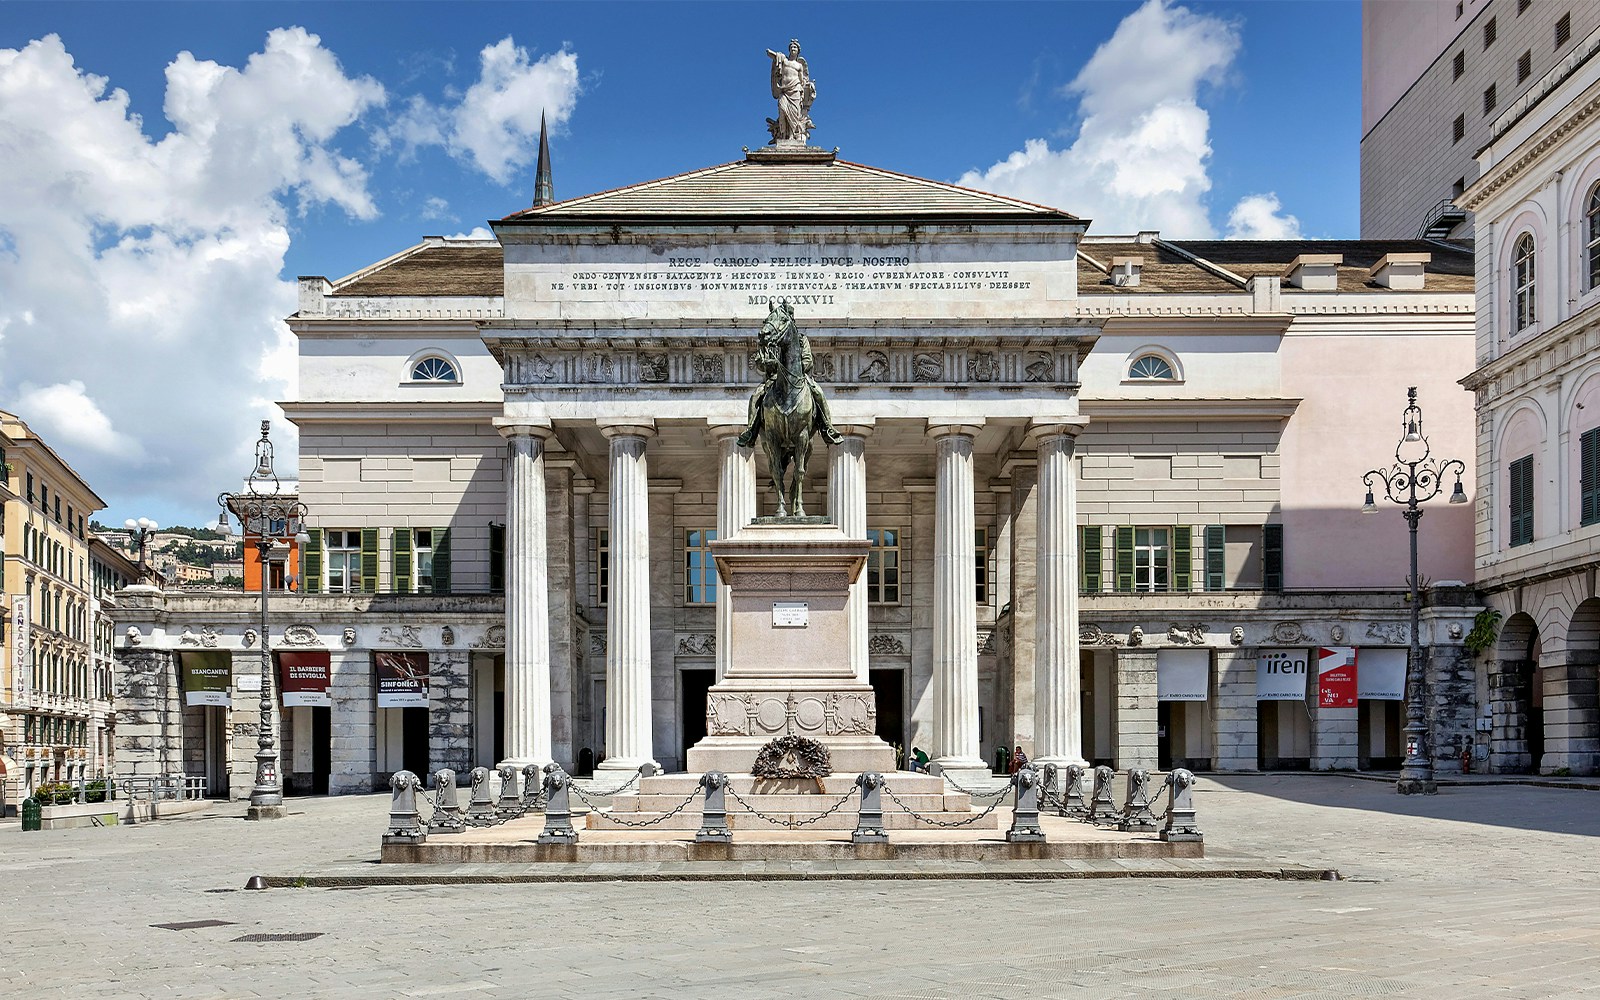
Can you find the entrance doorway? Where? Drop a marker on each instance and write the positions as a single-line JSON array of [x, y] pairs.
[[1380, 745], [403, 741], [1283, 736], [889, 700], [692, 687], [216, 751]]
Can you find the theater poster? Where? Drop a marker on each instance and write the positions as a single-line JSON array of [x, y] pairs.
[[303, 679], [402, 679], [207, 678], [1336, 677]]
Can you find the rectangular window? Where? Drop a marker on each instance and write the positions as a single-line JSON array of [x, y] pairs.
[[1563, 30], [1272, 557], [1524, 66], [1589, 477], [883, 566], [602, 566], [497, 558], [44, 497], [1490, 32], [1521, 476], [1152, 559], [1458, 65], [1489, 99], [1458, 129], [342, 554], [1216, 542], [699, 569], [30, 487], [422, 553], [980, 543]]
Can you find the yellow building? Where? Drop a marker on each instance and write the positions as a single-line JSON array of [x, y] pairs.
[[52, 712]]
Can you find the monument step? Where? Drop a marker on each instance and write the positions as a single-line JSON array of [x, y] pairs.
[[952, 802], [903, 782], [844, 819]]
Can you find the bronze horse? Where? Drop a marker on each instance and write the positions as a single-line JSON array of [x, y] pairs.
[[788, 411]]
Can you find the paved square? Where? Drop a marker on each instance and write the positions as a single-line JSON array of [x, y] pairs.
[[1482, 891]]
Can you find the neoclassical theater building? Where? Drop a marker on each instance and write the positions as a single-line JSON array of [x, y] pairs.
[[1111, 486]]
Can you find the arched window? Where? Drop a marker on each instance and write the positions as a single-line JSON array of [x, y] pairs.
[[1152, 367], [1591, 236], [434, 369], [1523, 314]]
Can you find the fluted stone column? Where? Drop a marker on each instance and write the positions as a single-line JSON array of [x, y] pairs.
[[847, 508], [527, 694], [736, 507], [628, 729], [955, 615], [1057, 725]]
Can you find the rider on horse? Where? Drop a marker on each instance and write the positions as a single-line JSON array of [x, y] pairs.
[[768, 359]]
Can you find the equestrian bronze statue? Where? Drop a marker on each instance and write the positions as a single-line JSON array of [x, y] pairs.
[[788, 408]]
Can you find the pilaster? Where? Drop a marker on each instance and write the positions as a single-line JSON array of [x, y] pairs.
[[1236, 713], [1136, 708], [736, 507]]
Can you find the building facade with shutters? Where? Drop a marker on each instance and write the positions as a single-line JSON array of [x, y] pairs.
[[1537, 394], [1111, 485]]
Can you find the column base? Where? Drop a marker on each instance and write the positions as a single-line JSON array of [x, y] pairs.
[[963, 770], [278, 811], [522, 762], [1060, 761], [624, 765]]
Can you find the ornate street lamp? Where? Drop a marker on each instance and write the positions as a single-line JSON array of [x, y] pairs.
[[268, 516], [1414, 479], [139, 533]]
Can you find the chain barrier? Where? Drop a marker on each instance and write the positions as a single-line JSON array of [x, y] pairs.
[[613, 817], [946, 824], [615, 791], [792, 824], [997, 795]]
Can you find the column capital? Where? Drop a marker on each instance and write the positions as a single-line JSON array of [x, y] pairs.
[[510, 427], [856, 427], [721, 430], [967, 428], [629, 427], [1042, 429]]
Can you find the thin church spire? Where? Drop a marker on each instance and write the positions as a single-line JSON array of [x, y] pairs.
[[544, 191]]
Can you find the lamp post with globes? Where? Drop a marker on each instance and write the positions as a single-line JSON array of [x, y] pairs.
[[272, 518], [1415, 478], [139, 532]]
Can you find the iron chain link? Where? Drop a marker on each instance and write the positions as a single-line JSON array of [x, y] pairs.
[[613, 817], [997, 795], [792, 824], [615, 791], [947, 824]]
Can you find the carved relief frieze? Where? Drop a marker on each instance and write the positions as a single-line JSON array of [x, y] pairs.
[[697, 644], [830, 713], [1041, 367], [447, 636], [1289, 634], [986, 640], [653, 368], [494, 637], [708, 368], [1394, 633], [982, 367], [1187, 635], [881, 644], [598, 367], [927, 366], [400, 635], [1094, 635], [876, 369], [300, 635], [822, 368]]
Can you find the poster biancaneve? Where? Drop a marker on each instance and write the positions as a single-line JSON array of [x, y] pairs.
[[402, 679], [207, 678]]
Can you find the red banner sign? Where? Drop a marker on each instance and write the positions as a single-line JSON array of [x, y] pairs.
[[304, 679], [1336, 677], [402, 679]]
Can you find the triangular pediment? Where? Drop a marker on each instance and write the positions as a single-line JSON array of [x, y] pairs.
[[807, 184]]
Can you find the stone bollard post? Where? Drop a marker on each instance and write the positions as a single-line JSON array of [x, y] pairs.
[[649, 769], [404, 825], [714, 814], [447, 813], [1047, 786], [1072, 803], [509, 805], [1180, 825], [532, 788], [480, 810], [1136, 814], [1025, 816], [557, 808], [869, 821], [1102, 810]]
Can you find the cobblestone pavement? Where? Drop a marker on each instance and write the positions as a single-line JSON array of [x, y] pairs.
[[1482, 891]]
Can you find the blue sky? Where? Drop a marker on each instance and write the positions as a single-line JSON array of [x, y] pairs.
[[147, 251]]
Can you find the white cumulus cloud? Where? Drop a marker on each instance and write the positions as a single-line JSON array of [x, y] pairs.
[[1261, 217], [494, 126], [141, 294], [1139, 160]]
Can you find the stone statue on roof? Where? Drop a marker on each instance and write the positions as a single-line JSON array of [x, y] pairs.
[[792, 86]]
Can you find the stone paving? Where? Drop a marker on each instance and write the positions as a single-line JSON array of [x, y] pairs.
[[1481, 891]]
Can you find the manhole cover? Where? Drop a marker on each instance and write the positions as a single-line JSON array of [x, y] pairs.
[[189, 925], [302, 936]]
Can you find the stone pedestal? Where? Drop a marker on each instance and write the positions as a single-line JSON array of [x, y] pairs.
[[789, 669]]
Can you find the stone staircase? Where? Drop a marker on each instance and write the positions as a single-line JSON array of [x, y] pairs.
[[789, 800]]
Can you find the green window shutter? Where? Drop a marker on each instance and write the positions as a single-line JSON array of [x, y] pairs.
[[1089, 558], [1216, 557], [1125, 559], [1522, 500], [497, 558], [311, 563], [1182, 557], [400, 561], [1589, 476], [1272, 557], [441, 560], [369, 560]]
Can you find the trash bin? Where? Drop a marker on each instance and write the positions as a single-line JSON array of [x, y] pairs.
[[32, 815]]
